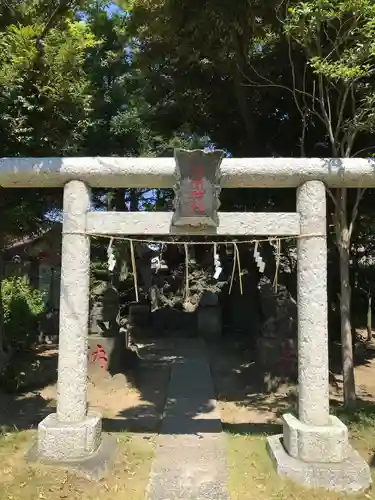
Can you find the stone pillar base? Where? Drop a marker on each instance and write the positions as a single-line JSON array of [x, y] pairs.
[[323, 444], [350, 476], [78, 446], [64, 441], [319, 456]]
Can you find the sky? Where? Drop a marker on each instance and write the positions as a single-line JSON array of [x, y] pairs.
[[113, 9]]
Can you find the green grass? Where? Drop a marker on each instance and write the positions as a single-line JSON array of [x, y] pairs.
[[252, 477], [20, 481], [251, 474]]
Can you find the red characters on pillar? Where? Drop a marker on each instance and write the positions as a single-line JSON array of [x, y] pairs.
[[99, 355], [196, 192]]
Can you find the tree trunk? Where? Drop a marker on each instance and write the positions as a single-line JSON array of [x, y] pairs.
[[119, 203], [240, 90], [134, 200], [369, 317], [343, 238], [4, 355], [1, 308], [346, 331]]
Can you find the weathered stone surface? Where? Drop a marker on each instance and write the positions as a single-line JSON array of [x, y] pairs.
[[314, 448], [160, 172], [278, 356], [280, 309], [173, 322], [104, 310], [139, 315], [74, 305], [113, 351], [69, 440], [189, 468], [209, 299], [349, 476], [323, 444], [197, 187], [190, 416], [277, 345], [190, 461], [72, 433], [209, 321], [159, 223], [93, 467], [313, 380]]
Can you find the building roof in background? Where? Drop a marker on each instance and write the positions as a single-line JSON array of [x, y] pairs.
[[30, 239]]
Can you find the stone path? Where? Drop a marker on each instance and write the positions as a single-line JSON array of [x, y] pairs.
[[190, 460]]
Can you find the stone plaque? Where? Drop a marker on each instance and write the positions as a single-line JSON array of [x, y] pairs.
[[197, 188]]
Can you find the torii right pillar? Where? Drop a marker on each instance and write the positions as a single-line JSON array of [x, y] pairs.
[[314, 449]]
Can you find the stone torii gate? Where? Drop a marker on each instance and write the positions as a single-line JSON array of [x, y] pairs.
[[314, 448]]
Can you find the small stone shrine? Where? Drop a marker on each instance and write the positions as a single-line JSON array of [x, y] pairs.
[[106, 340], [104, 312]]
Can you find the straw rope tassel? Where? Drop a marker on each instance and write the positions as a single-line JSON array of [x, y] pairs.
[[134, 268], [234, 268], [239, 267], [187, 292], [278, 257]]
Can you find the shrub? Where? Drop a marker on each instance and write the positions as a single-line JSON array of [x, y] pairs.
[[22, 307]]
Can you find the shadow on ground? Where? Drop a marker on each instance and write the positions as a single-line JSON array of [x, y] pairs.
[[23, 411], [24, 408], [142, 389], [238, 381], [255, 429]]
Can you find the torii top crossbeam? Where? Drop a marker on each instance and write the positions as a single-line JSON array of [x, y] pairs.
[[115, 172]]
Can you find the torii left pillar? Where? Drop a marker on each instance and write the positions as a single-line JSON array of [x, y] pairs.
[[72, 433]]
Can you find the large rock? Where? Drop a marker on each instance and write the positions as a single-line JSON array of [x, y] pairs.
[[106, 354], [174, 322], [277, 345], [279, 310], [104, 311], [139, 316]]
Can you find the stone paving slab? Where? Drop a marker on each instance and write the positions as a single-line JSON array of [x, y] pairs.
[[189, 472], [197, 441], [190, 460], [191, 416]]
